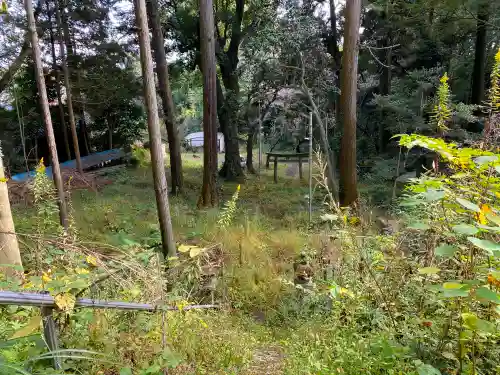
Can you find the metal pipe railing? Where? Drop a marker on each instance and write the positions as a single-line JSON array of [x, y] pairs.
[[47, 305], [46, 300]]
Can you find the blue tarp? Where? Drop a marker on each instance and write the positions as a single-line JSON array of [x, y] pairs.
[[87, 161]]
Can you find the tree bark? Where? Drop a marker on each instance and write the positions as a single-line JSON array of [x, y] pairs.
[[44, 104], [58, 85], [208, 196], [157, 158], [174, 143], [348, 80], [69, 98], [227, 105], [226, 112], [250, 140], [385, 57], [333, 49], [9, 248], [478, 74]]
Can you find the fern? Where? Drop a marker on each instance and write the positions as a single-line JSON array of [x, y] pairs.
[[228, 211]]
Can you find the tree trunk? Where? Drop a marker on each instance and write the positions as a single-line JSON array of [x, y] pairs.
[[348, 80], [58, 85], [227, 105], [478, 74], [69, 98], [9, 248], [250, 140], [73, 64], [226, 112], [208, 196], [157, 159], [384, 87], [333, 49], [174, 143], [44, 104], [110, 134]]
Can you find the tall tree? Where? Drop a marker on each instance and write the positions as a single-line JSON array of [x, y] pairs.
[[9, 248], [67, 85], [55, 67], [158, 161], [166, 96], [207, 43], [227, 103], [478, 74], [44, 105], [348, 81]]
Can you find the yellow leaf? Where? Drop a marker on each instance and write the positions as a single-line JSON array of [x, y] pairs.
[[65, 302], [92, 260], [46, 278], [184, 248], [191, 249], [29, 328], [82, 271]]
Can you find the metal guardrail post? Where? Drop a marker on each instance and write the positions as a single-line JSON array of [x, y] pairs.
[[50, 334]]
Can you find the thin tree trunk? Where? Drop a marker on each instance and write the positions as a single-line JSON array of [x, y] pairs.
[[73, 64], [334, 51], [69, 98], [174, 143], [58, 85], [44, 104], [9, 248], [250, 141], [348, 80], [208, 196], [478, 74], [158, 161], [384, 87], [110, 134]]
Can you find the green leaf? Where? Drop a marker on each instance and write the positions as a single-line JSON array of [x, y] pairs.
[[126, 371], [428, 270], [486, 245], [29, 328], [425, 369], [452, 293], [434, 195], [449, 356], [485, 159], [494, 218], [445, 251], [469, 205], [465, 229], [472, 322], [484, 293], [419, 226], [452, 285]]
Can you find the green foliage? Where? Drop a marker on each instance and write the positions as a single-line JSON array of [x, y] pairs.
[[442, 112], [228, 211], [463, 219], [494, 94]]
